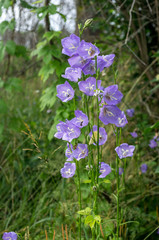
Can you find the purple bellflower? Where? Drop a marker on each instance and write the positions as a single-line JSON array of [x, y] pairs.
[[105, 61], [153, 143], [105, 169], [89, 86], [69, 152], [110, 114], [102, 136], [81, 151], [134, 134], [125, 150], [87, 50], [70, 45], [9, 236], [68, 170], [121, 170], [143, 168], [72, 74], [111, 95], [77, 61], [130, 112], [71, 132], [122, 120], [65, 92], [61, 128], [81, 119], [89, 68]]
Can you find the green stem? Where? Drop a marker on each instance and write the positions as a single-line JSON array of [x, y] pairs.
[[117, 179], [79, 196]]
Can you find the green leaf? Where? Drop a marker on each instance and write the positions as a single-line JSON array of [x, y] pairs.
[[86, 181], [97, 219], [4, 26], [62, 15], [52, 9], [85, 211], [149, 129], [24, 4], [90, 221], [107, 181], [108, 228], [46, 70], [7, 4], [10, 47], [21, 51], [48, 98]]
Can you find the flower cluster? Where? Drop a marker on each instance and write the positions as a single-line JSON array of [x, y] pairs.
[[84, 59], [153, 142]]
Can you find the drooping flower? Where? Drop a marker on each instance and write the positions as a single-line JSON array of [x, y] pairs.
[[105, 61], [153, 143], [130, 112], [81, 119], [102, 135], [111, 95], [121, 170], [122, 120], [70, 45], [65, 92], [134, 134], [110, 114], [9, 236], [69, 152], [61, 127], [72, 74], [81, 151], [71, 132], [89, 68], [67, 131], [87, 50], [77, 61], [89, 86], [68, 170], [125, 150], [143, 168], [105, 169]]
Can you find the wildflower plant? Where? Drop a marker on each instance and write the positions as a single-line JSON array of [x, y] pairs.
[[96, 109]]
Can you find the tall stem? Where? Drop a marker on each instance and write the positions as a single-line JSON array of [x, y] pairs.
[[117, 179], [79, 196]]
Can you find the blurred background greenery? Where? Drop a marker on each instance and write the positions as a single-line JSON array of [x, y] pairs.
[[35, 200]]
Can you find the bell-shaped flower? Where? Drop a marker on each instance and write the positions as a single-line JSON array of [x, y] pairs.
[[110, 114], [122, 120], [81, 119], [130, 112], [9, 236], [105, 169], [134, 134], [77, 61], [125, 150], [87, 50], [61, 128], [68, 170], [81, 151], [72, 74], [89, 68], [69, 151], [94, 135], [70, 45], [89, 86], [71, 132], [112, 95], [152, 143], [65, 92], [143, 168], [105, 61]]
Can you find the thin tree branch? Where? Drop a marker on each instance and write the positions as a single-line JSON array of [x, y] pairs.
[[130, 20]]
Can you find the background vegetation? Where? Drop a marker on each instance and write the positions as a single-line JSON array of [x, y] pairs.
[[35, 201]]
